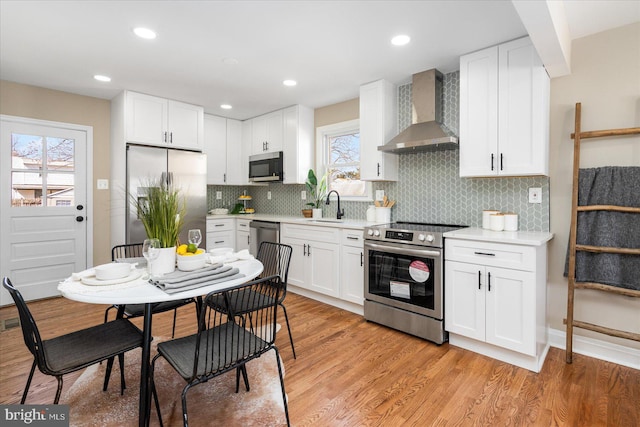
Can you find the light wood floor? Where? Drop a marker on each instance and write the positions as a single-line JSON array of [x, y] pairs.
[[353, 373]]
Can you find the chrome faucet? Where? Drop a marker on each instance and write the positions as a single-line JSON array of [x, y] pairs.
[[340, 212]]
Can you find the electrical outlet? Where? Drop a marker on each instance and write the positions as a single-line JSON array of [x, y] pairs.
[[102, 184], [535, 195], [268, 195], [379, 194], [303, 195], [218, 195]]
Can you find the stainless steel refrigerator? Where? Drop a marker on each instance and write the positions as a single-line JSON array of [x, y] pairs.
[[186, 170]]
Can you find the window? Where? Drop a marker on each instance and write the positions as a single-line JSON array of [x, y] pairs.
[[339, 153]]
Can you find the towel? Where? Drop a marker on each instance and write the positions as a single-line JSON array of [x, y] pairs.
[[611, 185], [180, 281]]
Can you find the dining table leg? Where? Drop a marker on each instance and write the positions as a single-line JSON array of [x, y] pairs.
[[145, 391]]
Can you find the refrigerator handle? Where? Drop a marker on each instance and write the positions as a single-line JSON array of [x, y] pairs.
[[169, 179]]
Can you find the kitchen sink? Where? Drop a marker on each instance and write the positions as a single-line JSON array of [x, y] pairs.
[[320, 220]]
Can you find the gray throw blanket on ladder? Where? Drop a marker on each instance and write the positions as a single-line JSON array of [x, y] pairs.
[[611, 185]]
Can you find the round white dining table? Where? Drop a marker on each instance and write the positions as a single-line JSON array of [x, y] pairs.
[[140, 291]]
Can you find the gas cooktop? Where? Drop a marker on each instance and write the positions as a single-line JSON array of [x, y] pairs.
[[414, 233]]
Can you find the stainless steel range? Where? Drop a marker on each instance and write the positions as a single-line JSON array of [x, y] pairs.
[[404, 271]]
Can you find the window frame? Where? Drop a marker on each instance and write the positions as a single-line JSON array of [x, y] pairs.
[[322, 153]]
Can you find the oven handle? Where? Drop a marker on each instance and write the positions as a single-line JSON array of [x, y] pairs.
[[403, 251]]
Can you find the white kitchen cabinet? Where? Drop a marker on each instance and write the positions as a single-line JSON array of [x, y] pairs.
[[378, 124], [352, 266], [267, 133], [504, 112], [243, 235], [298, 143], [315, 260], [495, 300], [157, 121], [221, 233], [226, 164]]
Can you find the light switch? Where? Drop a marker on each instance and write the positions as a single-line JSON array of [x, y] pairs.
[[268, 195], [102, 184], [303, 195], [379, 194], [218, 195]]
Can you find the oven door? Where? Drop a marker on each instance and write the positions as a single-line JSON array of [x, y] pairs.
[[404, 276]]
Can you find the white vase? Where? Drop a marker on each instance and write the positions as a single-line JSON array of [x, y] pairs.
[[317, 213], [165, 263]]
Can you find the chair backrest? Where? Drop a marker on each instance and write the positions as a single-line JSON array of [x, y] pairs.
[[130, 250], [275, 257], [30, 332], [226, 341]]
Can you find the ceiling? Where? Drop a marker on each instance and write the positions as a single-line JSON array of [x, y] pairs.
[[238, 52]]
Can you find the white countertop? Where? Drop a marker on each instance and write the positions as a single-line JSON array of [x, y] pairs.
[[530, 238], [357, 224]]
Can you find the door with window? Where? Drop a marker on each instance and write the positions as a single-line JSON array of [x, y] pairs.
[[43, 204]]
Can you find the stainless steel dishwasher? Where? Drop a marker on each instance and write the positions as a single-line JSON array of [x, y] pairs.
[[262, 231]]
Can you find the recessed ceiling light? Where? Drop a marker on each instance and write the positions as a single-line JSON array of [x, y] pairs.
[[102, 78], [289, 82], [145, 33], [400, 40], [226, 107]]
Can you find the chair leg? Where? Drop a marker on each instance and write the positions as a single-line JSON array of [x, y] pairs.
[[59, 391], [107, 374], [123, 385], [185, 420], [26, 388], [288, 329], [284, 393], [154, 392], [242, 369]]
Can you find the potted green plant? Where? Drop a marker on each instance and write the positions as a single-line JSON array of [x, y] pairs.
[[161, 211], [317, 192]]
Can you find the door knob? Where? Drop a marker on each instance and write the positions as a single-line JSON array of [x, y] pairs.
[[79, 218]]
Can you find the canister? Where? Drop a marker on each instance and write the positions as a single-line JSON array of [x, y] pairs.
[[510, 221], [496, 222], [486, 218]]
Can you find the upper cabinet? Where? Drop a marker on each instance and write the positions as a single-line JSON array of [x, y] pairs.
[[297, 143], [378, 124], [289, 130], [504, 112], [226, 163], [157, 121], [267, 133]]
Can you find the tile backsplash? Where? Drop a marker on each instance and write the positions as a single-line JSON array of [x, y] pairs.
[[428, 189]]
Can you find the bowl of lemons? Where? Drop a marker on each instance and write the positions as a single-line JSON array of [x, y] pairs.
[[190, 257]]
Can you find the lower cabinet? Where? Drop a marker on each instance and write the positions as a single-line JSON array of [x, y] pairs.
[[352, 266], [315, 259], [495, 300], [242, 234], [221, 233]]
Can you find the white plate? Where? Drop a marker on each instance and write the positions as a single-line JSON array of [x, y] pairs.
[[92, 281]]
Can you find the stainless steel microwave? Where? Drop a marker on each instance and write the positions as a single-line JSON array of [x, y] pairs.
[[266, 167]]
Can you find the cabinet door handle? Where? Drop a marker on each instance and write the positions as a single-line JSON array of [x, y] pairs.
[[218, 241], [489, 281], [248, 240], [479, 277], [501, 158], [267, 145], [224, 177], [378, 169], [218, 225], [485, 253], [304, 249], [361, 259], [491, 161], [164, 136], [171, 137], [308, 250], [352, 238]]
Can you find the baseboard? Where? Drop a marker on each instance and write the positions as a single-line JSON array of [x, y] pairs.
[[615, 353]]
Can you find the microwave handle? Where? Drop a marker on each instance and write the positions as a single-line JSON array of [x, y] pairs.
[[403, 251]]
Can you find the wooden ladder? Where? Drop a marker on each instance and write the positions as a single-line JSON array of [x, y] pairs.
[[577, 136]]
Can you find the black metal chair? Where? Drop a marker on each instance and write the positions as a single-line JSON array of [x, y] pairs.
[[134, 250], [71, 352], [226, 340], [275, 257]]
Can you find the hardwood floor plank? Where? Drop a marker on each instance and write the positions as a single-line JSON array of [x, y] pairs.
[[354, 373]]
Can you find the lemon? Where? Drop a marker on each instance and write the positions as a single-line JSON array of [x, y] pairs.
[[192, 248], [182, 249]]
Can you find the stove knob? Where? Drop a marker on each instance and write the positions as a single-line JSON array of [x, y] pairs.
[[370, 232], [430, 238], [376, 233], [421, 237]]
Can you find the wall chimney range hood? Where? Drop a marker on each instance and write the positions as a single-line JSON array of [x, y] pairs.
[[426, 133]]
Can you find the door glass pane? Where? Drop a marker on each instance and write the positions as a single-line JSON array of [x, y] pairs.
[[26, 189], [26, 151], [60, 189], [60, 154]]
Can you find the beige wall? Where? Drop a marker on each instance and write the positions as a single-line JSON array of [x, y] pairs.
[[605, 78], [46, 104], [336, 113]]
